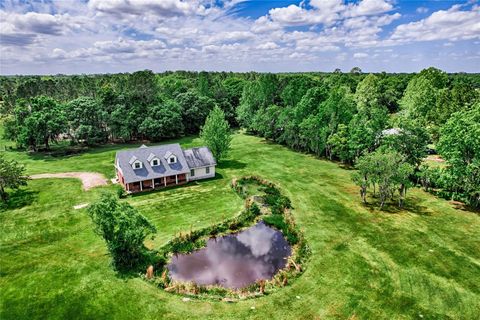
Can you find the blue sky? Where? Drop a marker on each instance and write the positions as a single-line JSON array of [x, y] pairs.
[[97, 36]]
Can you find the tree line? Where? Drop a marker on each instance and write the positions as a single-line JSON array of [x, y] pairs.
[[356, 118]]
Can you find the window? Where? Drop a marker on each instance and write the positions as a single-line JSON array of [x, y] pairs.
[[137, 165], [155, 162], [192, 172], [171, 160], [207, 170]]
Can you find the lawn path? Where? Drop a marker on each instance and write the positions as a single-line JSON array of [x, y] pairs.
[[89, 179]]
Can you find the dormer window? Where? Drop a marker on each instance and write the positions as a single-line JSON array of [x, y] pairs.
[[135, 163], [170, 157], [154, 161]]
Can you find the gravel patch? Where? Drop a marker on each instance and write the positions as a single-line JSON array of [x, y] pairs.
[[89, 179]]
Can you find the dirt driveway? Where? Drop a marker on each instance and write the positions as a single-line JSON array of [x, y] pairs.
[[89, 179]]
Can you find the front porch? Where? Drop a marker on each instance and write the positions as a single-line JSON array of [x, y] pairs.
[[157, 183]]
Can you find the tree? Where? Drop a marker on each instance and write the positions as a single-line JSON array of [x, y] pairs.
[[195, 109], [257, 95], [216, 133], [39, 121], [296, 88], [338, 143], [388, 170], [437, 77], [327, 110], [265, 121], [459, 145], [87, 120], [371, 119], [419, 99], [410, 140], [356, 70], [163, 121], [123, 228], [204, 86], [233, 88], [299, 136], [249, 104], [12, 175], [427, 100]]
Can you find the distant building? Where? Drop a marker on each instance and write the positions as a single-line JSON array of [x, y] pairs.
[[147, 168], [391, 132]]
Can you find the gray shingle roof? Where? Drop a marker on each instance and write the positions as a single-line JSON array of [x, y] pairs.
[[148, 172], [132, 159], [151, 157], [199, 157]]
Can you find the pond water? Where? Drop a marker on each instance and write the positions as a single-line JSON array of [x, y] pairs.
[[236, 260]]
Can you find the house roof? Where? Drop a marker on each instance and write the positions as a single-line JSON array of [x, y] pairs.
[[151, 157], [199, 157], [391, 131], [142, 154]]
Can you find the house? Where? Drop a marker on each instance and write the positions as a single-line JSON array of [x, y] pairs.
[[391, 132], [147, 168]]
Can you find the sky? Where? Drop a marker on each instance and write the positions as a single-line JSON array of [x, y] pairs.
[[110, 36]]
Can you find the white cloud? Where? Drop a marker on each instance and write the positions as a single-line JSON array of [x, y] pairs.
[[360, 55], [268, 46], [164, 8], [297, 16], [264, 24], [369, 7], [421, 10], [452, 24], [118, 35]]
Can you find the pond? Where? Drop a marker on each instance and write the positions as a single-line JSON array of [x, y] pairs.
[[235, 260]]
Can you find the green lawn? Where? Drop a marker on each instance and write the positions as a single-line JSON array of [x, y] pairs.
[[420, 263]]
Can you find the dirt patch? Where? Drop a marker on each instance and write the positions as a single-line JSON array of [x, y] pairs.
[[89, 179], [435, 157]]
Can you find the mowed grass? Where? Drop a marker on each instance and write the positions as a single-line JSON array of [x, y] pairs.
[[419, 263]]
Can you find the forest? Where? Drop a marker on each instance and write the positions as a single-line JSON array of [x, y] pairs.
[[383, 124]]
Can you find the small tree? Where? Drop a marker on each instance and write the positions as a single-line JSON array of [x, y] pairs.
[[388, 169], [123, 228], [11, 176], [216, 133]]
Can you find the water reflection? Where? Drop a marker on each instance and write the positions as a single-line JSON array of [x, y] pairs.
[[235, 260]]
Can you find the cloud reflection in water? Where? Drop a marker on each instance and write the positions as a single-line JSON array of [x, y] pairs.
[[235, 260]]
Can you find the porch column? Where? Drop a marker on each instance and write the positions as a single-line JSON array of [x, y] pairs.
[[141, 185], [153, 184], [176, 179], [128, 186], [165, 181]]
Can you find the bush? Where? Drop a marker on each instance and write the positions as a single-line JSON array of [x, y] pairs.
[[121, 193], [278, 222], [123, 228]]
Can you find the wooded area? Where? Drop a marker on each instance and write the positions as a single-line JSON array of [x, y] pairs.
[[340, 116]]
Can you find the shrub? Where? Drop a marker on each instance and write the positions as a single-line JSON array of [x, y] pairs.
[[123, 228], [121, 193], [278, 222]]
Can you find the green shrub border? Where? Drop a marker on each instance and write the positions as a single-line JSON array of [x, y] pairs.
[[274, 209]]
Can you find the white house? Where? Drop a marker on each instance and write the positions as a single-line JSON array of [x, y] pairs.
[[147, 168]]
